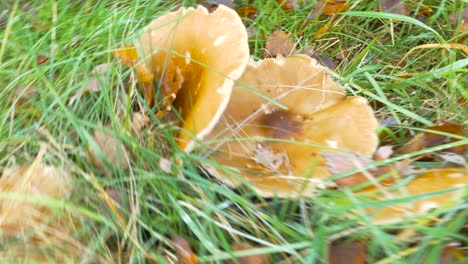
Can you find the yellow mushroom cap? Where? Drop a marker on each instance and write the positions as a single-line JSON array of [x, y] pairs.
[[195, 56], [276, 147], [436, 180]]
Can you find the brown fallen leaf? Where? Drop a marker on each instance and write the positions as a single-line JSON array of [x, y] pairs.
[[24, 93], [347, 253], [211, 5], [287, 5], [322, 58], [451, 254], [431, 139], [110, 149], [41, 59], [342, 162], [394, 7], [97, 77], [248, 11], [459, 15], [253, 259], [279, 43], [183, 250], [329, 8]]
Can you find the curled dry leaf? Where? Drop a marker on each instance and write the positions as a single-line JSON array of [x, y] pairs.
[[277, 148], [432, 139], [194, 56], [279, 43], [97, 77], [394, 6], [253, 259], [183, 250], [108, 149], [348, 253], [48, 231], [428, 182]]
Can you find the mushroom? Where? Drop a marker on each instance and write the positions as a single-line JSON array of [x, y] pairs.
[[432, 181], [195, 56], [282, 115], [34, 232]]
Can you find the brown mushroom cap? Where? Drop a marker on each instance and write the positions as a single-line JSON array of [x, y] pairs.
[[428, 182], [196, 55], [277, 150]]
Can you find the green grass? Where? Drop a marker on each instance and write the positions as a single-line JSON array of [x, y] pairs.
[[78, 35]]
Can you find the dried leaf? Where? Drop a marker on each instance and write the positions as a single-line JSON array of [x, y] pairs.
[[451, 254], [211, 5], [342, 162], [430, 139], [348, 253], [165, 165], [25, 93], [118, 206], [279, 43], [428, 182], [139, 121], [456, 46], [253, 259], [252, 32], [453, 158], [247, 11], [329, 8], [110, 149], [322, 58], [383, 153], [97, 76], [459, 15], [41, 59], [288, 5], [183, 250], [394, 6]]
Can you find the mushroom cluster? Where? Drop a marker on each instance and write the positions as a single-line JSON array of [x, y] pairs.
[[266, 123], [285, 113]]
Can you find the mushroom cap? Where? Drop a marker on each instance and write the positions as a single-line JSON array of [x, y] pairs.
[[195, 56], [37, 180], [277, 150], [436, 180]]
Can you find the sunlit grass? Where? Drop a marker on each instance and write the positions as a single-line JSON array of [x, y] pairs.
[[78, 35]]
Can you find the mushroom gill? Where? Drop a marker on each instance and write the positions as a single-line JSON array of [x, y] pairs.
[[195, 56], [282, 115]]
